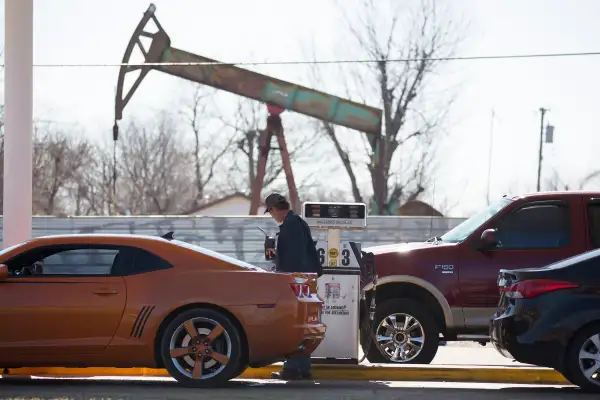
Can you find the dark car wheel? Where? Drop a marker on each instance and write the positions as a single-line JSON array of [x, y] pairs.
[[403, 332], [202, 348], [582, 363]]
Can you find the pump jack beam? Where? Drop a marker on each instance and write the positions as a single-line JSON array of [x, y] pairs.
[[162, 57]]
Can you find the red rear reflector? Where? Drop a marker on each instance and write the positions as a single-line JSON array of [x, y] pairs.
[[301, 290], [536, 287]]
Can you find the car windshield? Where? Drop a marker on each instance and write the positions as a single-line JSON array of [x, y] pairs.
[[214, 254], [463, 230]]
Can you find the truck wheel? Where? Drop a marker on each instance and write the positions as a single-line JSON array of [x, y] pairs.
[[582, 361], [403, 332]]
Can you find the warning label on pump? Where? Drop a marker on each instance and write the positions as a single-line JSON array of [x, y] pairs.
[[332, 291], [335, 310]]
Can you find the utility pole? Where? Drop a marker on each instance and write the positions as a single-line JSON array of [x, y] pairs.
[[543, 112]]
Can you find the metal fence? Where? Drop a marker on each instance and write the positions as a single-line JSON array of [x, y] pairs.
[[238, 237]]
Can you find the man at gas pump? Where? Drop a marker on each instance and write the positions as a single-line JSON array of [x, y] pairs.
[[295, 252]]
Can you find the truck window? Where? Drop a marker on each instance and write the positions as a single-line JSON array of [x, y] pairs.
[[535, 227], [594, 224], [466, 228]]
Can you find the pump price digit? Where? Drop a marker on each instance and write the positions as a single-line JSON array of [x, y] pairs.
[[321, 253]]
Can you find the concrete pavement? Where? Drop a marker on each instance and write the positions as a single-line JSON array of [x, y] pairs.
[[458, 362], [155, 389], [469, 353]]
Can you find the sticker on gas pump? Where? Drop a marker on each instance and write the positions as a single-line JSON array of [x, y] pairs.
[[333, 253], [332, 291], [332, 263], [336, 310]]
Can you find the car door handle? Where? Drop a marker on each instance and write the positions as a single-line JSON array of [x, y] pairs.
[[105, 292]]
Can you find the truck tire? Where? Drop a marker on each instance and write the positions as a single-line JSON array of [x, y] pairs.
[[403, 332]]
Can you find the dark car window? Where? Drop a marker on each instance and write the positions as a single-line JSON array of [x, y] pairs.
[[77, 260], [535, 226], [80, 262], [63, 260], [594, 224], [133, 261]]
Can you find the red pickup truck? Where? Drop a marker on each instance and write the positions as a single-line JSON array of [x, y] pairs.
[[445, 289]]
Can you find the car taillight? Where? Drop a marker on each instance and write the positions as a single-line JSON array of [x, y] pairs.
[[535, 287], [301, 289]]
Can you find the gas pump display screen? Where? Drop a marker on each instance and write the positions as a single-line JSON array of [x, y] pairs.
[[334, 211], [335, 215]]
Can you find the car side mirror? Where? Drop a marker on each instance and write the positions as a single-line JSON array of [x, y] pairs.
[[3, 272], [489, 238]]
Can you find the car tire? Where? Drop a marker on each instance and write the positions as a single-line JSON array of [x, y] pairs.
[[402, 308], [574, 364], [216, 338]]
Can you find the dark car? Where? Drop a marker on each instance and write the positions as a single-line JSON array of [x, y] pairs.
[[550, 317]]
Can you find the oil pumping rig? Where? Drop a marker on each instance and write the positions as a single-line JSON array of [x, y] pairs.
[[278, 96]]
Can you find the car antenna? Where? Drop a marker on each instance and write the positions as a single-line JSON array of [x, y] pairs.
[[168, 235]]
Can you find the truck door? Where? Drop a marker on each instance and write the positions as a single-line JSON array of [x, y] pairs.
[[532, 234]]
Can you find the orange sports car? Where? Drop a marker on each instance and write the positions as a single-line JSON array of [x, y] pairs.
[[154, 302]]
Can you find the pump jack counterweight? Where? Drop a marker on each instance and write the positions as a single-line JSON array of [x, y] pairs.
[[278, 95]]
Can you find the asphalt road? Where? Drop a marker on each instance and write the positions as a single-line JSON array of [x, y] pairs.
[[468, 353], [264, 390]]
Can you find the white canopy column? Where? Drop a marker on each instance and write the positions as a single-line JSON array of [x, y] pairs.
[[18, 120]]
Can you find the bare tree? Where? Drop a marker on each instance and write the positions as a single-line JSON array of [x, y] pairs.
[[556, 183], [58, 158], [211, 145], [91, 189], [400, 162], [154, 169], [248, 122]]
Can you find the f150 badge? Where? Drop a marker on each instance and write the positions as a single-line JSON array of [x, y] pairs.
[[445, 268]]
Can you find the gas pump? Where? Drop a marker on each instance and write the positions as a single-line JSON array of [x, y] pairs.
[[340, 284]]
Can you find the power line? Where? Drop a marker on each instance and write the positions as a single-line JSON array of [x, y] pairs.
[[350, 61]]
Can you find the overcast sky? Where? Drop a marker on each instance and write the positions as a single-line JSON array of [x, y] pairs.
[[92, 32]]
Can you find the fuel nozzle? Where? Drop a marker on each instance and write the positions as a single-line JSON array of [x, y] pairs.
[[269, 245]]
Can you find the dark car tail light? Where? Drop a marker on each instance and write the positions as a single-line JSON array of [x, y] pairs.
[[301, 289], [535, 287]]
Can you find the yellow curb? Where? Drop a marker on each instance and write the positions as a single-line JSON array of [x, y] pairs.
[[524, 375]]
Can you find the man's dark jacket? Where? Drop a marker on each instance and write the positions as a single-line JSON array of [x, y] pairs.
[[296, 251]]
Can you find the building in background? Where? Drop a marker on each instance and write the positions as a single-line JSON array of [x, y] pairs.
[[418, 208], [231, 205]]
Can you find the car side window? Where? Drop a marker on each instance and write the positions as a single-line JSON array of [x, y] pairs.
[[70, 261], [144, 261], [133, 261], [535, 227], [80, 262], [593, 211]]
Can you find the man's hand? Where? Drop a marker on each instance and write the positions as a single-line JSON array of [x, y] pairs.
[[270, 252]]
